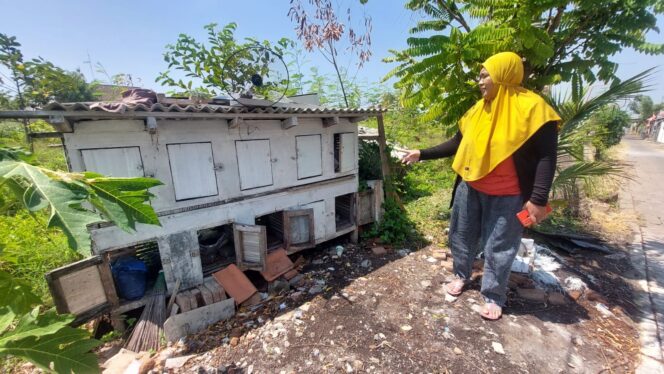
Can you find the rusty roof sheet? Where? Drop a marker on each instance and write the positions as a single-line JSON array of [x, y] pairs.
[[221, 109]]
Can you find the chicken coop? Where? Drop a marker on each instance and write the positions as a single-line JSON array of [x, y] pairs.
[[238, 182]]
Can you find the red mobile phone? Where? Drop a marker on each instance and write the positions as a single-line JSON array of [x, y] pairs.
[[524, 217]]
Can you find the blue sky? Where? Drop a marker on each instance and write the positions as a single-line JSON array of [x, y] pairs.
[[129, 36]]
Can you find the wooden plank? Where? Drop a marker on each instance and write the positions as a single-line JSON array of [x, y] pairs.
[[309, 156], [122, 162], [174, 293], [183, 324], [78, 288], [107, 282], [250, 246], [192, 170], [384, 163], [254, 163]]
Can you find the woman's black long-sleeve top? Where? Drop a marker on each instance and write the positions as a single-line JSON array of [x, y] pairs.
[[535, 161]]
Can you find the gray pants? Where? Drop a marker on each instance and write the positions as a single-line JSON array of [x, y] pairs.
[[488, 223]]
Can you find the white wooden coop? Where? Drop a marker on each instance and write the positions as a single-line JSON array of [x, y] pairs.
[[283, 176]]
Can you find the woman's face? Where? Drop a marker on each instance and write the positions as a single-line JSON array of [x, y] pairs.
[[487, 87]]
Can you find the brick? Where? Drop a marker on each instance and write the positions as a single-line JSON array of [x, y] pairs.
[[557, 298], [532, 294], [575, 295]]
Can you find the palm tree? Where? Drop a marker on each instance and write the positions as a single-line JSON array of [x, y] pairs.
[[575, 109]]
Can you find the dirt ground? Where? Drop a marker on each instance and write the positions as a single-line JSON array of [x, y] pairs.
[[387, 313]]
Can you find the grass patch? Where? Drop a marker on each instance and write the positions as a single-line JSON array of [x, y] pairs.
[[30, 250]]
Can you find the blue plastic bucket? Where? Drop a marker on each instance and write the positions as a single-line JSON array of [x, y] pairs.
[[130, 275]]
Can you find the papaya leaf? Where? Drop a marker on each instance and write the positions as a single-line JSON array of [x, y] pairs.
[[123, 200], [16, 295], [49, 342], [6, 318], [63, 199]]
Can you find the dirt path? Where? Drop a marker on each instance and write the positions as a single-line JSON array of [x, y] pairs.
[[644, 196], [387, 314]]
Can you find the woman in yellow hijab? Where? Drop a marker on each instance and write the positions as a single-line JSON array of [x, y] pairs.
[[505, 158]]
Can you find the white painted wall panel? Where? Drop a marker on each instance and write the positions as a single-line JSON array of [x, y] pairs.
[[347, 157], [114, 162], [320, 218], [309, 156], [192, 170], [254, 162]]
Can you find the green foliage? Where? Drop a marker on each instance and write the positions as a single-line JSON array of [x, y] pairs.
[[608, 126], [30, 249], [212, 66], [46, 339], [63, 194], [395, 227], [560, 40], [37, 81]]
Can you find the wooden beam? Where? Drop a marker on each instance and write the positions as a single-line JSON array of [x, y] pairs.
[[330, 121], [235, 123], [382, 146], [60, 123], [357, 119], [100, 115], [44, 135], [289, 122]]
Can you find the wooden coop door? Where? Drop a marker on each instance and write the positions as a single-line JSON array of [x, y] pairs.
[[250, 246], [309, 156], [299, 231], [255, 163], [344, 152], [192, 170], [84, 288], [114, 162]]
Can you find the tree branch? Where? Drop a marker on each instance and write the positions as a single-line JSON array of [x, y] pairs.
[[455, 15]]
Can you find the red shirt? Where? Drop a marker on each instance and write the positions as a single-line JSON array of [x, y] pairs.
[[501, 181]]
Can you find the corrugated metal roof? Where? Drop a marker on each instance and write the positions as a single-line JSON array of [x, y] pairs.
[[210, 108]]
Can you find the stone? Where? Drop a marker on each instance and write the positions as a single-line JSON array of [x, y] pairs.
[[532, 294], [448, 266], [277, 287], [365, 263], [425, 283], [439, 255], [498, 348], [315, 289], [431, 260], [458, 351], [119, 362], [358, 365], [235, 341], [176, 362], [406, 328], [296, 280], [595, 296], [378, 250], [449, 298]]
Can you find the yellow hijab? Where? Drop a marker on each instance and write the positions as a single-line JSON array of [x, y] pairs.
[[493, 131]]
